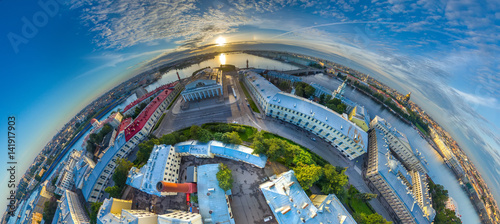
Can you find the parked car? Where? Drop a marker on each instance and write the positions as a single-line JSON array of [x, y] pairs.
[[269, 218], [314, 139]]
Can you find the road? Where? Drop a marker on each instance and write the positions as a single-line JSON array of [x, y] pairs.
[[230, 109]]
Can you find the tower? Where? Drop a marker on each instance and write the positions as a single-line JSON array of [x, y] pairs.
[[407, 97], [339, 93], [247, 63], [178, 77]]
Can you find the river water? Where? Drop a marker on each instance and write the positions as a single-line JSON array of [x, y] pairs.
[[438, 171]]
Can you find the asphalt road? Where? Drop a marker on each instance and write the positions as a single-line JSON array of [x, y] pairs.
[[232, 109]]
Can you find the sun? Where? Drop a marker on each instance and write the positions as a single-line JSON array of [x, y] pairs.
[[220, 41]]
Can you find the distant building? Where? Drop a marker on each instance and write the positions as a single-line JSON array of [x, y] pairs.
[[36, 218], [146, 98], [407, 97], [336, 129], [208, 84], [290, 204], [213, 201], [399, 145], [269, 74], [320, 90], [404, 193], [163, 165], [70, 210], [220, 149], [65, 180]]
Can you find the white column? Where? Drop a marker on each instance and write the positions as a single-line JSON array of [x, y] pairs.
[[184, 97]]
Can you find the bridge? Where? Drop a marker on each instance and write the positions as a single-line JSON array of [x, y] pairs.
[[304, 71]]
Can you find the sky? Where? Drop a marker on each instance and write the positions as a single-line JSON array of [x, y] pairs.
[[57, 56]]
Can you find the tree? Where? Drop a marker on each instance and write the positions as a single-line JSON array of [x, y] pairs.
[[49, 210], [121, 172], [299, 91], [362, 218], [194, 131], [231, 138], [309, 91], [204, 135], [218, 136], [225, 177], [301, 156], [366, 196], [114, 191], [94, 209], [307, 175], [168, 139], [145, 149], [333, 180]]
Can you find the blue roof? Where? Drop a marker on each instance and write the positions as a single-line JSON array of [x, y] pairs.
[[237, 152], [192, 147], [324, 115], [103, 162], [266, 88], [150, 174], [290, 204], [391, 171], [216, 201]]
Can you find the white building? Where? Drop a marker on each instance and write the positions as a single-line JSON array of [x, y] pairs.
[[163, 165], [399, 145], [116, 211], [70, 210], [334, 128], [208, 84], [65, 180], [179, 217]]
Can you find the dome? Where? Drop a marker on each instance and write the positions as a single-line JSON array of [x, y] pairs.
[[93, 121]]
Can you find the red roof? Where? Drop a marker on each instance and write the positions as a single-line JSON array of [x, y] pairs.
[[144, 116], [93, 121], [147, 95], [124, 124]]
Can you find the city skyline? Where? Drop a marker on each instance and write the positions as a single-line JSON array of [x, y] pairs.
[[70, 69]]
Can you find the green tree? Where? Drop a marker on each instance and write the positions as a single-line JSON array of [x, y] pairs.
[[333, 180], [145, 149], [231, 138], [204, 135], [307, 175], [301, 156], [49, 210], [114, 191], [299, 91], [225, 177], [168, 139], [94, 210], [309, 91], [218, 136], [362, 218], [194, 131], [366, 196], [121, 172]]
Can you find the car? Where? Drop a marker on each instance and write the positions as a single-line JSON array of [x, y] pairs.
[[269, 218], [314, 139]]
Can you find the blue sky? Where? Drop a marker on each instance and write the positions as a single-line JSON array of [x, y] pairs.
[[445, 52]]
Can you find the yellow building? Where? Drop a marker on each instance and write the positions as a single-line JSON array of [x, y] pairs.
[[359, 117], [36, 218]]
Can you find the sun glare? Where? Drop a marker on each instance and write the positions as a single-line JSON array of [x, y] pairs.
[[222, 59], [220, 41]]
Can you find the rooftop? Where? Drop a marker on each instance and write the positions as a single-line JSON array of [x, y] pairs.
[[266, 88], [144, 116], [212, 199], [398, 178], [322, 114], [147, 95], [290, 204], [206, 77]]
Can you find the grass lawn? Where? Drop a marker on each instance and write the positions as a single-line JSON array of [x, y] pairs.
[[248, 132], [249, 98], [159, 122], [359, 206]]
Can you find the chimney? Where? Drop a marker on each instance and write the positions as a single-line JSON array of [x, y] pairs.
[[163, 186]]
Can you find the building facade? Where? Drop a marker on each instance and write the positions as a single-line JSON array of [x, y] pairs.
[[163, 165], [403, 193], [334, 128], [399, 145], [208, 84], [126, 140], [179, 217], [70, 210], [66, 178]]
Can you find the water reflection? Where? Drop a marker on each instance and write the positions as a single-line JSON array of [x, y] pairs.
[[222, 59]]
